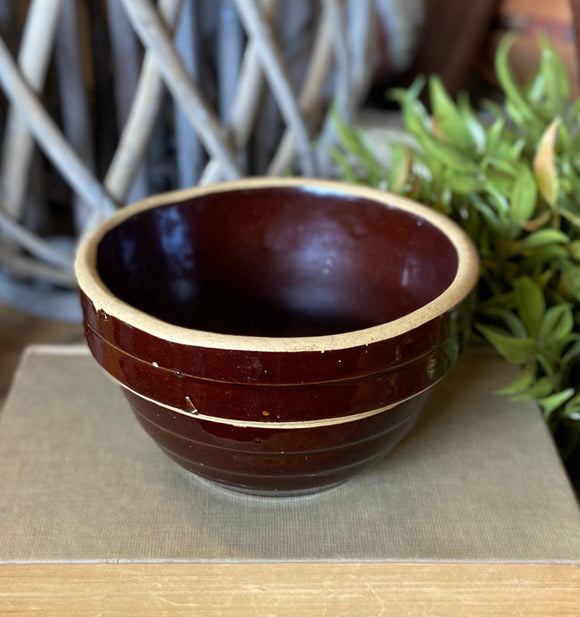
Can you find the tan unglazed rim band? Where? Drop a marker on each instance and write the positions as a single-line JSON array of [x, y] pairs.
[[92, 285], [276, 424]]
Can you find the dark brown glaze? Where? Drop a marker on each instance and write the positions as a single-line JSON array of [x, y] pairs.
[[276, 262], [242, 366], [287, 460], [335, 396]]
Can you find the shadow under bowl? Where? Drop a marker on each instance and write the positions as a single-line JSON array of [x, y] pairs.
[[276, 335]]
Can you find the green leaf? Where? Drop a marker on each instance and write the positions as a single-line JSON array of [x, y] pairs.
[[536, 88], [572, 355], [449, 121], [498, 300], [486, 211], [436, 151], [402, 95], [523, 198], [569, 284], [543, 237], [499, 181], [511, 178], [557, 324], [574, 250], [523, 381], [498, 201], [572, 408], [514, 350], [444, 153], [515, 112], [354, 143], [400, 167], [550, 404], [472, 122], [570, 217], [345, 166], [531, 304], [545, 255], [540, 388], [500, 162], [463, 184], [557, 85], [494, 109], [494, 134], [517, 106], [512, 322], [415, 117], [538, 222]]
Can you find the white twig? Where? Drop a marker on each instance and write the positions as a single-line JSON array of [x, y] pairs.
[[73, 97], [229, 44], [50, 137], [155, 37], [140, 124], [310, 96], [211, 173], [33, 59], [22, 267], [362, 45], [250, 88], [343, 92], [32, 243], [347, 95], [258, 28], [125, 52], [247, 103], [189, 154]]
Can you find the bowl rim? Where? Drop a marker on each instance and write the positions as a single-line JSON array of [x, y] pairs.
[[91, 284]]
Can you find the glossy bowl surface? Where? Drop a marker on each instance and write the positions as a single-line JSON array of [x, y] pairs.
[[276, 335]]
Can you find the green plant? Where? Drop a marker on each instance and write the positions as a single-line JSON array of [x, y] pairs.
[[510, 175]]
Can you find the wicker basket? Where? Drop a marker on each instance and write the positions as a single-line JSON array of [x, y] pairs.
[[108, 101]]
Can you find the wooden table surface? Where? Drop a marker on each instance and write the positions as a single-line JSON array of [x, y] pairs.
[[268, 589], [293, 590]]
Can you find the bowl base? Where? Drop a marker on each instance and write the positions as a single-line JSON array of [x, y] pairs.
[[231, 489], [284, 485]]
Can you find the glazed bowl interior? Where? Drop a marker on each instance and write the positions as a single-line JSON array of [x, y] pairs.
[[278, 261]]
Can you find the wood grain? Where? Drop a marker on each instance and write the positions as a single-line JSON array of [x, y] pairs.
[[293, 590]]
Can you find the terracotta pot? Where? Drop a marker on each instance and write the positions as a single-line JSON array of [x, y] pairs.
[[276, 335]]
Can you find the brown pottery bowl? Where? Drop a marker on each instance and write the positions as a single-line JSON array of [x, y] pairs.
[[276, 335]]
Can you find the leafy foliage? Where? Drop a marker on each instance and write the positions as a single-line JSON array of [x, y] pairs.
[[510, 175]]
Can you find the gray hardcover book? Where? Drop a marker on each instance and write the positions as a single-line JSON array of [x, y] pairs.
[[477, 480]]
